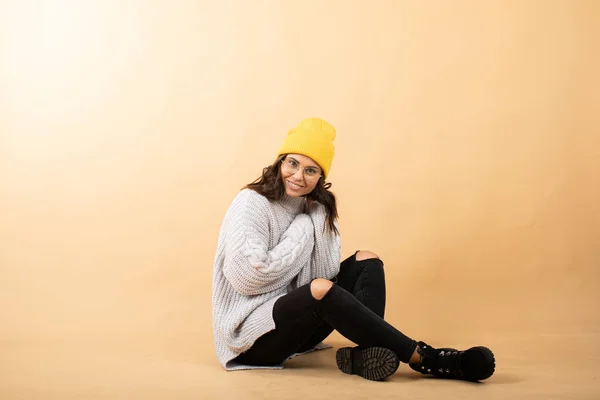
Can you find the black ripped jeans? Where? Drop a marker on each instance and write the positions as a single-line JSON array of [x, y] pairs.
[[354, 306]]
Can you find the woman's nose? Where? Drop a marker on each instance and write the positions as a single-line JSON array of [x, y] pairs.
[[299, 175]]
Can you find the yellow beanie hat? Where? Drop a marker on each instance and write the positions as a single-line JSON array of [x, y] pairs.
[[313, 138]]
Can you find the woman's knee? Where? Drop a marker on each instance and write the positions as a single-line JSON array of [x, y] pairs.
[[365, 255], [319, 288]]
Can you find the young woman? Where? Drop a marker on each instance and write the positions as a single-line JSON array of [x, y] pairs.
[[279, 288]]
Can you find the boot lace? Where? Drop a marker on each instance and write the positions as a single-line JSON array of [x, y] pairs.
[[448, 363]]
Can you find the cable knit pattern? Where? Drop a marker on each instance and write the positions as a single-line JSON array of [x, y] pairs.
[[325, 258], [263, 246]]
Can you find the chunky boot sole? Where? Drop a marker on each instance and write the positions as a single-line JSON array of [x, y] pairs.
[[372, 363], [490, 363]]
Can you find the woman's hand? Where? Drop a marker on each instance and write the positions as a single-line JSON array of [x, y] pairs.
[[309, 206]]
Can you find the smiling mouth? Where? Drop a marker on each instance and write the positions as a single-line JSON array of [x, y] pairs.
[[294, 185]]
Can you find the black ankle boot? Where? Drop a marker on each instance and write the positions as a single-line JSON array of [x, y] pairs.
[[474, 364], [372, 363]]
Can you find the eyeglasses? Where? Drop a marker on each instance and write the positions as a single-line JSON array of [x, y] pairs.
[[291, 166]]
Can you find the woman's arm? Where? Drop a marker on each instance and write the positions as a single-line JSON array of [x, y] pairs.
[[325, 260], [249, 266]]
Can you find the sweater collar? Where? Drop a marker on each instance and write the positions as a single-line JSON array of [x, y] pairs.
[[292, 204]]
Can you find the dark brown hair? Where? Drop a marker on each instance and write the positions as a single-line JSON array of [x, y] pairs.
[[270, 185]]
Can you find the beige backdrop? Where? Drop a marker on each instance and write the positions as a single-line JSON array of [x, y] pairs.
[[467, 157]]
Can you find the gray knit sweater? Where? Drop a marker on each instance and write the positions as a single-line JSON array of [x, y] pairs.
[[263, 246]]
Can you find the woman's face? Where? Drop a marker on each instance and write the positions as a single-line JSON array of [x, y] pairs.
[[300, 174]]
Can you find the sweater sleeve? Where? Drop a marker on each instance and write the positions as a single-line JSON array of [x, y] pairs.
[[325, 260], [250, 266]]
